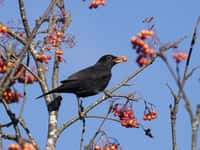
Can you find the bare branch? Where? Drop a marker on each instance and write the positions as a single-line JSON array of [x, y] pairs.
[[23, 17]]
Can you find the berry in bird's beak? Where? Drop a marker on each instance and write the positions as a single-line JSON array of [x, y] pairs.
[[120, 59]]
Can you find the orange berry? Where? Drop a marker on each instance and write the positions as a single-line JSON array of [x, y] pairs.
[[180, 56], [151, 32], [134, 40], [125, 114], [151, 52], [149, 117], [30, 79], [144, 34], [124, 58], [124, 123], [136, 125], [54, 43], [140, 43], [140, 34], [153, 114], [96, 147], [59, 58], [13, 147], [145, 117], [142, 61], [28, 146], [113, 147], [145, 46], [59, 52], [130, 114], [4, 29]]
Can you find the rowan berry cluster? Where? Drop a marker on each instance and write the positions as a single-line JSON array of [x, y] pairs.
[[110, 146], [43, 58], [20, 74], [149, 112], [106, 143], [52, 40], [26, 146], [125, 114], [11, 96], [96, 3], [23, 76], [180, 56], [55, 38], [144, 50]]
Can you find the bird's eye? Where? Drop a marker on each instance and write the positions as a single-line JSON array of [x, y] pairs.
[[109, 58]]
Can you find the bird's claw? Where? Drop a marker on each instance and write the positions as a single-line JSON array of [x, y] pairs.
[[82, 115], [107, 93]]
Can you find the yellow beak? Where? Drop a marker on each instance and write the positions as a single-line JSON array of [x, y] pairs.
[[120, 59]]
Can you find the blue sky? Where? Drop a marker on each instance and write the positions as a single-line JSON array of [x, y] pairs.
[[107, 30]]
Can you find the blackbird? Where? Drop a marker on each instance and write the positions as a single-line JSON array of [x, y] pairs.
[[91, 80]]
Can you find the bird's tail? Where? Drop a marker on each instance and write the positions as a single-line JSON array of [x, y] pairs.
[[50, 92]]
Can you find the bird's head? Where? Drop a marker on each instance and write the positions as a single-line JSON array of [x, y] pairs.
[[110, 60]]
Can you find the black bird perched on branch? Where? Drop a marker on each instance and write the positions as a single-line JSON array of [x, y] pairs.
[[91, 80]]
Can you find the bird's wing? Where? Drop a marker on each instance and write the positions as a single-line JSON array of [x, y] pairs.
[[90, 73]]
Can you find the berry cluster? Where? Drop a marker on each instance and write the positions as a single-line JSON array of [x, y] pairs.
[[24, 77], [150, 115], [52, 40], [20, 73], [111, 146], [55, 38], [125, 114], [96, 3], [106, 143], [43, 58], [145, 53], [11, 96], [149, 112], [25, 146], [180, 56]]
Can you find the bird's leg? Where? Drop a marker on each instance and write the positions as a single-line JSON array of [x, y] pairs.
[[80, 107], [82, 117]]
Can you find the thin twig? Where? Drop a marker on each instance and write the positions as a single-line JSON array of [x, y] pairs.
[[99, 129], [31, 139], [173, 113]]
